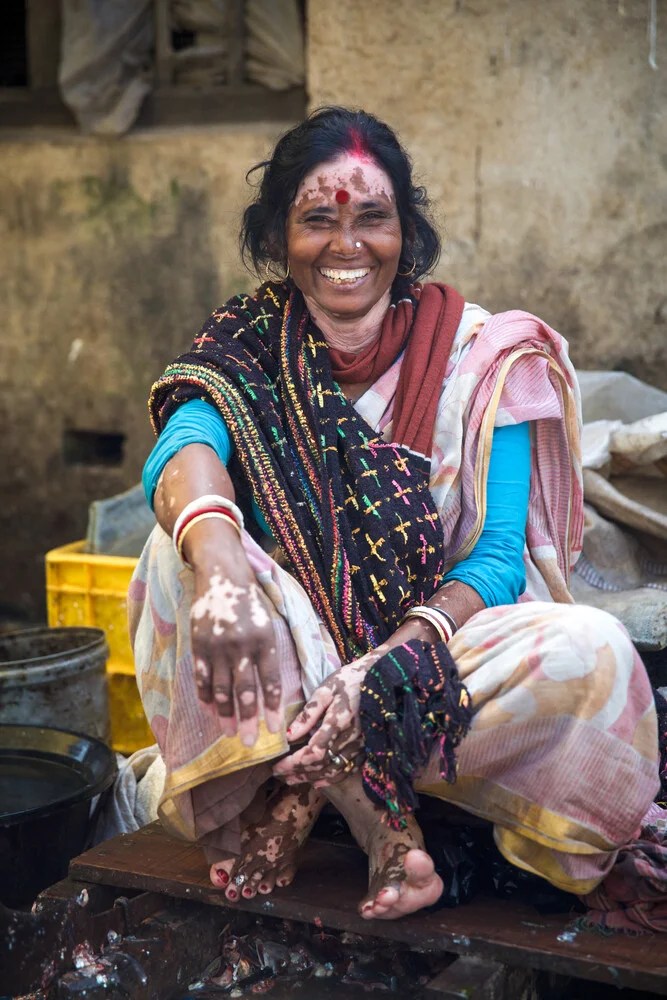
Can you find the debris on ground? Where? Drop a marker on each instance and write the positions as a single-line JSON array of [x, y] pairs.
[[255, 959]]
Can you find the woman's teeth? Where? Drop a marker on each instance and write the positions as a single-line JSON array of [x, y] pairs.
[[340, 277]]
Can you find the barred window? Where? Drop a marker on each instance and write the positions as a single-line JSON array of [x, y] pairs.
[[244, 57], [151, 62], [29, 53]]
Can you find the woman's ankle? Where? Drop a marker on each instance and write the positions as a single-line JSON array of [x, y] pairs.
[[366, 820], [349, 798]]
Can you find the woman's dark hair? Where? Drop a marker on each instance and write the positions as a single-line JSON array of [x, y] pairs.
[[323, 136]]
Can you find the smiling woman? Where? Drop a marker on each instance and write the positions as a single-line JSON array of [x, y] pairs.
[[357, 477]]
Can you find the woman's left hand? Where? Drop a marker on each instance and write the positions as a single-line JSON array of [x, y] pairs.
[[335, 704]]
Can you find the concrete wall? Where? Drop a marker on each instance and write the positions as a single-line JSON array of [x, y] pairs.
[[541, 133], [537, 125], [111, 256]]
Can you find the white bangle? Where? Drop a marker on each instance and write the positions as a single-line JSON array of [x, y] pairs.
[[218, 514], [445, 614], [208, 500], [430, 615]]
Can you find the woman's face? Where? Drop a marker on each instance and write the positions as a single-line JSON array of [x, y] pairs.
[[344, 236]]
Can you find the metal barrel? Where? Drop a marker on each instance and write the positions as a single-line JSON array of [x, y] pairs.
[[55, 677]]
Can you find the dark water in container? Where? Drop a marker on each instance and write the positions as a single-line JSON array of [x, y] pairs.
[[28, 783], [48, 778]]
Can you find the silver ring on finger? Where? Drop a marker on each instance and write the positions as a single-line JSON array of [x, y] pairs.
[[337, 759], [241, 879]]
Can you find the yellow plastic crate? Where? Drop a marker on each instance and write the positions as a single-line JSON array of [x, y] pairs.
[[84, 589]]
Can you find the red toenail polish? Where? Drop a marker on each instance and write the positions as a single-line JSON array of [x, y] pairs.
[[247, 893], [224, 877], [282, 882], [263, 887], [232, 894]]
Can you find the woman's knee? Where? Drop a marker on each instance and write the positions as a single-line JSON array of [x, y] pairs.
[[588, 639], [585, 620]]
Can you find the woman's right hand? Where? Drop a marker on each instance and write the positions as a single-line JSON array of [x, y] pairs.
[[233, 642]]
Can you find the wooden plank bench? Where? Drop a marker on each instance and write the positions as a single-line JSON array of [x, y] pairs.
[[331, 881]]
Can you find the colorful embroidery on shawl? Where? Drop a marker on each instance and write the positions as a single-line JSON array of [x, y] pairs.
[[412, 703], [331, 490]]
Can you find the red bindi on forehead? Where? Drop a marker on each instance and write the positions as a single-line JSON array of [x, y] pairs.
[[342, 196]]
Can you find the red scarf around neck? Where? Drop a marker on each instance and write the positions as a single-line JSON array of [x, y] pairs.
[[427, 333]]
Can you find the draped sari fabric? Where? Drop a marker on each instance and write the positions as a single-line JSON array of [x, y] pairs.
[[562, 751]]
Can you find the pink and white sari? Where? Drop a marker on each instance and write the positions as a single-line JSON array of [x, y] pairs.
[[562, 753]]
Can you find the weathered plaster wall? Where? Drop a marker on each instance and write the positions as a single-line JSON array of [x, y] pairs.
[[541, 133], [111, 256]]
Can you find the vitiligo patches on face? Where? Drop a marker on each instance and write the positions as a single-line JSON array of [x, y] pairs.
[[344, 175]]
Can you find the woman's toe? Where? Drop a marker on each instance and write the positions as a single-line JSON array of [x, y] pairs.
[[232, 893], [376, 910], [249, 890], [219, 873], [381, 903], [285, 876], [267, 884]]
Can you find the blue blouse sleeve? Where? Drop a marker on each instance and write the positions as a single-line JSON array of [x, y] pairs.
[[495, 567], [195, 422]]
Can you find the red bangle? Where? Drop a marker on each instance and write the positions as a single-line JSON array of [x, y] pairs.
[[205, 510]]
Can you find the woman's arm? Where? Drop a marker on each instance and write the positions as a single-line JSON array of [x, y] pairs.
[[194, 422], [494, 573], [232, 635], [495, 567]]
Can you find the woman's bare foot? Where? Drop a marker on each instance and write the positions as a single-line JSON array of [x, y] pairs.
[[270, 848], [402, 877]]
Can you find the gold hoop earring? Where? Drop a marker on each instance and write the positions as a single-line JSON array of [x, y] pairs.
[[406, 274], [276, 277]]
